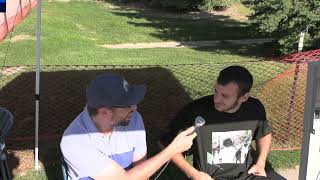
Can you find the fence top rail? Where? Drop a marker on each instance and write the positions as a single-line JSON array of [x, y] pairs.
[[307, 56], [144, 65]]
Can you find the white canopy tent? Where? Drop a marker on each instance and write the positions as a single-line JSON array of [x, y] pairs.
[[37, 90]]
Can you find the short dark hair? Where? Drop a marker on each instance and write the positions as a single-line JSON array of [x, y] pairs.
[[238, 75]]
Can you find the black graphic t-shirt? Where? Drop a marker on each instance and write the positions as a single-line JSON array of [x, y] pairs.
[[222, 147]]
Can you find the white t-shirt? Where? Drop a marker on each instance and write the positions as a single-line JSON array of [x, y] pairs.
[[87, 152]]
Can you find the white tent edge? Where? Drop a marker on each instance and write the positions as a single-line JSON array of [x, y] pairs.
[[37, 88]]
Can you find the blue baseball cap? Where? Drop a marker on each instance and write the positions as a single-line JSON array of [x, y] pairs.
[[113, 90]]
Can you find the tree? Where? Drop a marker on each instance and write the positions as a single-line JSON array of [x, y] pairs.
[[284, 20]]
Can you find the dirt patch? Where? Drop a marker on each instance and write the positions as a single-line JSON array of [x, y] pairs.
[[11, 70], [183, 44], [20, 161], [21, 37], [233, 12], [290, 173]]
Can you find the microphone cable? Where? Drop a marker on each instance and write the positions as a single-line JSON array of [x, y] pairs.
[[199, 121], [164, 167]]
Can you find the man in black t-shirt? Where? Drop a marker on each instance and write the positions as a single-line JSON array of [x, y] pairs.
[[233, 120]]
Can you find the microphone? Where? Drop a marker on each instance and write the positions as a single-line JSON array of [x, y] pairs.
[[198, 122]]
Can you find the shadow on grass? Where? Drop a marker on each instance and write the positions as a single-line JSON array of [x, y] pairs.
[[175, 26], [63, 98]]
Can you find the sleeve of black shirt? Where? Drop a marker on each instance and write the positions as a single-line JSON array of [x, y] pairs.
[[263, 127]]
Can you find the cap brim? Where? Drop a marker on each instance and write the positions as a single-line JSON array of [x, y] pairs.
[[135, 95]]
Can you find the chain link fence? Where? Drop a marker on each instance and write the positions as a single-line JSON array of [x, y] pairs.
[[280, 85]]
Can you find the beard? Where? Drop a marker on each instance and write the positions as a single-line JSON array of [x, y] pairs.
[[228, 108], [124, 122]]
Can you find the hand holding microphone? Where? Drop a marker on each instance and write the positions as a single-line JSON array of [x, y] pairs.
[[183, 141]]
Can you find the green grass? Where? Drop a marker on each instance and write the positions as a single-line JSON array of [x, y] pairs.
[[48, 173], [72, 32], [102, 22], [83, 55], [284, 159], [111, 24]]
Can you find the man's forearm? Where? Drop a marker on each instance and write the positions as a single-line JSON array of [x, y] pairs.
[[183, 164], [264, 147], [142, 170], [138, 160], [182, 142], [145, 169], [135, 163]]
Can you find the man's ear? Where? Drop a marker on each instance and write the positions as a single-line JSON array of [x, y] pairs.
[[245, 97], [104, 111]]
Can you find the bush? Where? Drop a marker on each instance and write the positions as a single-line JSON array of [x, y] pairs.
[[286, 19], [215, 4]]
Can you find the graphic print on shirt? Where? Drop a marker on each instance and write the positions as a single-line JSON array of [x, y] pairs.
[[229, 147]]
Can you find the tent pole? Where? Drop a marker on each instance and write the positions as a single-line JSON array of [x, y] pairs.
[[37, 94]]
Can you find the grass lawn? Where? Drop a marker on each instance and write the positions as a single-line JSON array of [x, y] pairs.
[[72, 32], [284, 159], [86, 55], [82, 55], [106, 23]]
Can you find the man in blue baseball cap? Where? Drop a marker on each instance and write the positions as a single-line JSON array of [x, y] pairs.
[[108, 140]]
